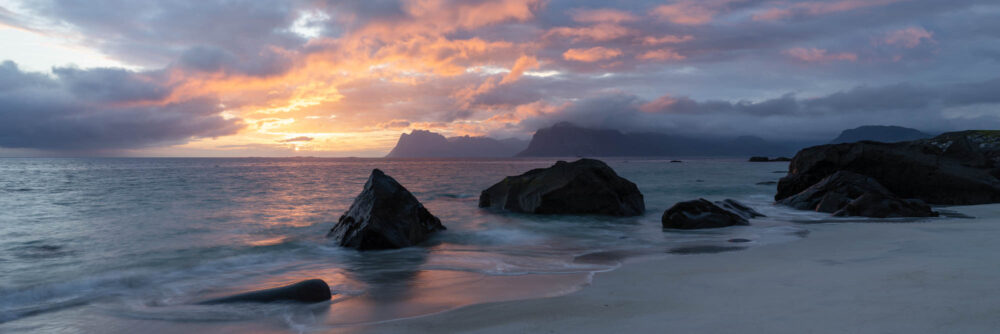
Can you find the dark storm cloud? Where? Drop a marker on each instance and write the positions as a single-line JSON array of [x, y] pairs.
[[92, 110], [931, 108], [238, 36]]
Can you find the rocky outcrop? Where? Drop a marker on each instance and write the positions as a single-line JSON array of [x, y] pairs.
[[766, 159], [850, 194], [426, 144], [384, 216], [585, 186], [701, 214], [879, 133], [309, 291], [958, 168]]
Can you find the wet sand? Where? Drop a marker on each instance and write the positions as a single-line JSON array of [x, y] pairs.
[[928, 277]]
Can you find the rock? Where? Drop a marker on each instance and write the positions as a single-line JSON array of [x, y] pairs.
[[850, 194], [675, 161], [739, 240], [955, 168], [766, 159], [834, 192], [309, 291], [384, 216], [767, 183], [739, 208], [699, 214], [585, 186], [881, 206]]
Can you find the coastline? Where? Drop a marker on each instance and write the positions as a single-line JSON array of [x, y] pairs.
[[925, 277]]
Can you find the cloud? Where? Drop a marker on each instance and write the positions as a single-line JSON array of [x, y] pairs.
[[296, 139], [686, 12], [593, 54], [909, 38], [100, 110], [815, 55]]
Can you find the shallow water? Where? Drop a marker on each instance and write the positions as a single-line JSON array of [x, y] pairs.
[[112, 245]]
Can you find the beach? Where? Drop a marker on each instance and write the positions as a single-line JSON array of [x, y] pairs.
[[925, 277]]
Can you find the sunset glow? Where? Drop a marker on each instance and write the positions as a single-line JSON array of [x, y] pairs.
[[228, 79]]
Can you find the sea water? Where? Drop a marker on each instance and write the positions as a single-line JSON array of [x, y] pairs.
[[120, 245]]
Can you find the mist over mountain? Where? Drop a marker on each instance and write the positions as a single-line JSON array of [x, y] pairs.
[[426, 144], [567, 139], [879, 133]]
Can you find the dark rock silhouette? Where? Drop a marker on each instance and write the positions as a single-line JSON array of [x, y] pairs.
[[309, 291], [384, 216], [565, 139], [957, 168], [850, 194], [766, 159], [885, 206], [702, 214], [585, 186], [879, 133], [426, 144]]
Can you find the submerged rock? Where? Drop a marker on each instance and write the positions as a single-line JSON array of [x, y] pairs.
[[384, 216], [309, 291], [585, 186], [851, 194], [766, 159], [701, 213], [957, 168]]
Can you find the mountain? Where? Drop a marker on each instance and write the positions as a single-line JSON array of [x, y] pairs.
[[426, 144], [879, 133], [567, 139]]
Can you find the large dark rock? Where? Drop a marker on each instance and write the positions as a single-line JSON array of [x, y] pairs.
[[701, 213], [957, 168], [851, 194], [739, 208], [384, 216], [885, 206], [309, 291], [585, 186]]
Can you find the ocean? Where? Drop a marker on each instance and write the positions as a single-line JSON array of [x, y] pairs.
[[116, 245]]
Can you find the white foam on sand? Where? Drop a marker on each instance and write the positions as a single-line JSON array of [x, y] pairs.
[[937, 276]]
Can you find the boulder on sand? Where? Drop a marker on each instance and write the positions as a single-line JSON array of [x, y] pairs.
[[957, 168], [309, 291], [585, 186], [701, 213], [851, 194], [384, 216]]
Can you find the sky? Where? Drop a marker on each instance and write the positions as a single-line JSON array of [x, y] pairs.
[[345, 78]]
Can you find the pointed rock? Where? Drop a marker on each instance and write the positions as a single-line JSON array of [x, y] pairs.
[[384, 216], [585, 186]]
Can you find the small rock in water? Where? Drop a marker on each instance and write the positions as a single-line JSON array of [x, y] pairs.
[[675, 161], [309, 291], [384, 216], [585, 186], [767, 183], [701, 213], [739, 240]]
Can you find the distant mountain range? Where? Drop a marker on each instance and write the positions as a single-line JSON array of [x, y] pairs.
[[566, 139], [880, 133], [426, 144]]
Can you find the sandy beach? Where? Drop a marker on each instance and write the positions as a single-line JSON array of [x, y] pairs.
[[927, 277]]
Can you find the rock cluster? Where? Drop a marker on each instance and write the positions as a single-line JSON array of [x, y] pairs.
[[701, 214]]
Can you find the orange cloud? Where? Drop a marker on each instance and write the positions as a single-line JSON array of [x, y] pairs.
[[522, 64], [813, 55], [818, 8], [592, 54], [668, 39], [909, 37], [661, 54], [660, 104], [599, 32], [686, 12]]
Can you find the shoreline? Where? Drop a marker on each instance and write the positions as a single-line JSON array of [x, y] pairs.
[[926, 277]]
